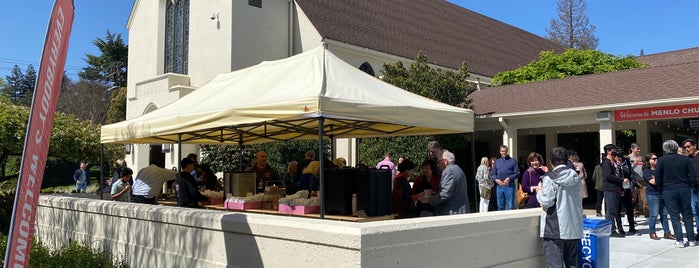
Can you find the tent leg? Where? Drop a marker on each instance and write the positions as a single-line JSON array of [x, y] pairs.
[[101, 187], [321, 159], [179, 152]]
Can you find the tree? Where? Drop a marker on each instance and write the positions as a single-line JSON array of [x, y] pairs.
[[447, 86], [19, 86], [117, 106], [86, 100], [442, 85], [572, 28], [109, 68], [572, 62], [72, 139]]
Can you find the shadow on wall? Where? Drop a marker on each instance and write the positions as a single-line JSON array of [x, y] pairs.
[[240, 245]]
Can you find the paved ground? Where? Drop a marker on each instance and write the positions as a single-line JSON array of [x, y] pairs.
[[641, 251]]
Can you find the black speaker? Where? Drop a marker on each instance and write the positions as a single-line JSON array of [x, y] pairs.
[[339, 186], [374, 192]]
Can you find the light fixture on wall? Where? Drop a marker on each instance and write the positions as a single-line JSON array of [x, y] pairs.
[[604, 116], [167, 148], [128, 148], [214, 16]]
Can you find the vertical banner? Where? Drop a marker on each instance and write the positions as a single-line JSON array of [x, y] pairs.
[[36, 142]]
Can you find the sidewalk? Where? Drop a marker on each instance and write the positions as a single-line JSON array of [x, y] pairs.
[[641, 251]]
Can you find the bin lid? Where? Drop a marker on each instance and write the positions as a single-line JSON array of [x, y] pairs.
[[595, 223]]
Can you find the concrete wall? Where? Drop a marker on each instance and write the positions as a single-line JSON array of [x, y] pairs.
[[159, 236]]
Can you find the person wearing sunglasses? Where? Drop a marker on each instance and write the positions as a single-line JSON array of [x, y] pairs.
[[656, 205]]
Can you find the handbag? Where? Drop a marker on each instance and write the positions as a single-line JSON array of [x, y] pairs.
[[522, 197], [486, 193]]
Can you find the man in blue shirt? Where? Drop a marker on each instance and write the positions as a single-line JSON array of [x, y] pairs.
[[81, 177], [505, 171]]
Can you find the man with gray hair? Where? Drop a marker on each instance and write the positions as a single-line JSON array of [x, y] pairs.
[[675, 174], [434, 151], [453, 193]]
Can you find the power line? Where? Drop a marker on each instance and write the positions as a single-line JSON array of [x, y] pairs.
[[27, 62]]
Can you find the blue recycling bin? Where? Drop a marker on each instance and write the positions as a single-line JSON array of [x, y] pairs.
[[594, 245]]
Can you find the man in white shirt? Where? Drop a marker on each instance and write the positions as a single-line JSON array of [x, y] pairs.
[[149, 183]]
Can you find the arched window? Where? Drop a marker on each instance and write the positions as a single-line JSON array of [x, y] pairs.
[[177, 36], [366, 67]]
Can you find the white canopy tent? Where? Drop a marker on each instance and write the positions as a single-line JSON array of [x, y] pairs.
[[310, 95], [283, 99]]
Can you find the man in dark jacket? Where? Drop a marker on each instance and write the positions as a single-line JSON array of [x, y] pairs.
[[690, 146], [675, 174], [613, 189], [187, 193]]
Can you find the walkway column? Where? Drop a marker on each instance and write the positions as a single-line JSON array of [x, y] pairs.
[[643, 137], [509, 137], [551, 141], [606, 134]]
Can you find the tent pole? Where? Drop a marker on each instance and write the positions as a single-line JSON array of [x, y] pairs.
[[179, 151], [101, 187], [321, 159]]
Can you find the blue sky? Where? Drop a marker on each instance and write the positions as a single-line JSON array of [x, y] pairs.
[[624, 27]]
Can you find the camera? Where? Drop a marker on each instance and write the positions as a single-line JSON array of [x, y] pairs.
[[214, 16]]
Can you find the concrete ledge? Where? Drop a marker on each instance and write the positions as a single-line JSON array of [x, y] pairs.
[[160, 236]]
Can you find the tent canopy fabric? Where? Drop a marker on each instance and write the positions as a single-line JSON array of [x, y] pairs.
[[283, 100]]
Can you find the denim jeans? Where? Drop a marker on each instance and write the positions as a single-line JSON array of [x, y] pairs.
[[656, 206], [678, 201], [506, 197]]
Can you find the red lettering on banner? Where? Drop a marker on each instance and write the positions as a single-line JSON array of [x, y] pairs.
[[676, 111], [37, 140]]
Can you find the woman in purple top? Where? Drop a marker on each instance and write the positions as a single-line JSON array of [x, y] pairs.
[[532, 177]]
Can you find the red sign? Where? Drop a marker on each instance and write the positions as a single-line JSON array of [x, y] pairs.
[[36, 143], [675, 111]]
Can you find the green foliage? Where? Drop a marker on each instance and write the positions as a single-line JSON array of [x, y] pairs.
[[19, 86], [71, 139], [117, 106], [7, 201], [226, 158], [372, 150], [445, 86], [71, 255], [109, 67], [572, 62]]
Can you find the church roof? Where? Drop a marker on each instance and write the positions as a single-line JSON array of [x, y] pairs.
[[446, 33]]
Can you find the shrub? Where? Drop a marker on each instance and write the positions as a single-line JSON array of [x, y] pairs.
[[7, 201], [71, 255]]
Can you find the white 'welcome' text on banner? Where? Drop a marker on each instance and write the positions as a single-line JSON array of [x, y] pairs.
[[36, 143]]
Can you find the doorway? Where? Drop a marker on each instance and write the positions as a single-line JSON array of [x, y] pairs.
[[156, 155]]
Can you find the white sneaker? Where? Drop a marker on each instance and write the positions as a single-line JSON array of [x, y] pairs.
[[679, 244], [692, 243]]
